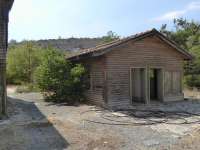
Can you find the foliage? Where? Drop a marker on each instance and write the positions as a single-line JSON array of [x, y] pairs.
[[191, 80], [58, 79], [187, 35], [111, 36], [22, 60]]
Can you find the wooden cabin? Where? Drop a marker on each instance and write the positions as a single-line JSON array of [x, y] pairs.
[[142, 68]]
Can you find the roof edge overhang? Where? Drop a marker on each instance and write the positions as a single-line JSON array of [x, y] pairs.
[[100, 52], [185, 53]]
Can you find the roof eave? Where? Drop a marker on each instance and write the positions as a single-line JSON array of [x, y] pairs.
[[105, 50], [186, 54]]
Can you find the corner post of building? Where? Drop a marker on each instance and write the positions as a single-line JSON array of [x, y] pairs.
[[147, 85], [5, 6]]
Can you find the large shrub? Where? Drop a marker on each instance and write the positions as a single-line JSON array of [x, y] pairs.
[[58, 79]]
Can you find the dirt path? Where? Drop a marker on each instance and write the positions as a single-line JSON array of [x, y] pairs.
[[37, 125], [27, 128], [189, 142]]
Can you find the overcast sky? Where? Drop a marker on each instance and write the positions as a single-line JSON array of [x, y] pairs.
[[46, 19]]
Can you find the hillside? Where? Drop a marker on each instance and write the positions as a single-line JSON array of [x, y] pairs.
[[70, 44]]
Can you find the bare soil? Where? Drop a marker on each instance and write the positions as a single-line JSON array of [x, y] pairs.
[[37, 125]]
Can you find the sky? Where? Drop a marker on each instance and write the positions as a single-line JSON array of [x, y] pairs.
[[50, 19]]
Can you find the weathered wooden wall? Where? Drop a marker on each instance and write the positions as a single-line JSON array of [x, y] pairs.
[[5, 6], [149, 52], [95, 94]]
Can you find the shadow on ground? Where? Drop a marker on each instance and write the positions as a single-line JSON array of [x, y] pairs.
[[27, 128]]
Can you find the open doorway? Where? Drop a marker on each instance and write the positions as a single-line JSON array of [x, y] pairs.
[[146, 85], [156, 84], [153, 84]]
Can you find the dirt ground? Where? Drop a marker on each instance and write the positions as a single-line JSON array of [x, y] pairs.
[[37, 125]]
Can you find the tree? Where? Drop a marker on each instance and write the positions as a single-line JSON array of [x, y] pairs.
[[58, 79], [187, 35], [111, 36], [22, 60], [12, 42]]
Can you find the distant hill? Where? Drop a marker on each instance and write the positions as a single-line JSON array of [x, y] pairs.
[[70, 44]]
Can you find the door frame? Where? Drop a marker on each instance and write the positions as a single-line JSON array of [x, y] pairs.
[[147, 82]]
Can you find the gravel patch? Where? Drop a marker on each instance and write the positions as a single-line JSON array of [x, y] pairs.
[[42, 125]]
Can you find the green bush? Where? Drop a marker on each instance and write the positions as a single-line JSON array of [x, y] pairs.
[[192, 80], [58, 79]]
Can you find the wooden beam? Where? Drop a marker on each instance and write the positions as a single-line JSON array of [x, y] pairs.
[[5, 6]]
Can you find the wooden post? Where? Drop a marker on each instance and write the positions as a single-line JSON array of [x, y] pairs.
[[5, 6]]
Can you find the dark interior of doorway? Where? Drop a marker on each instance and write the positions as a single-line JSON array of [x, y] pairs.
[[154, 84]]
